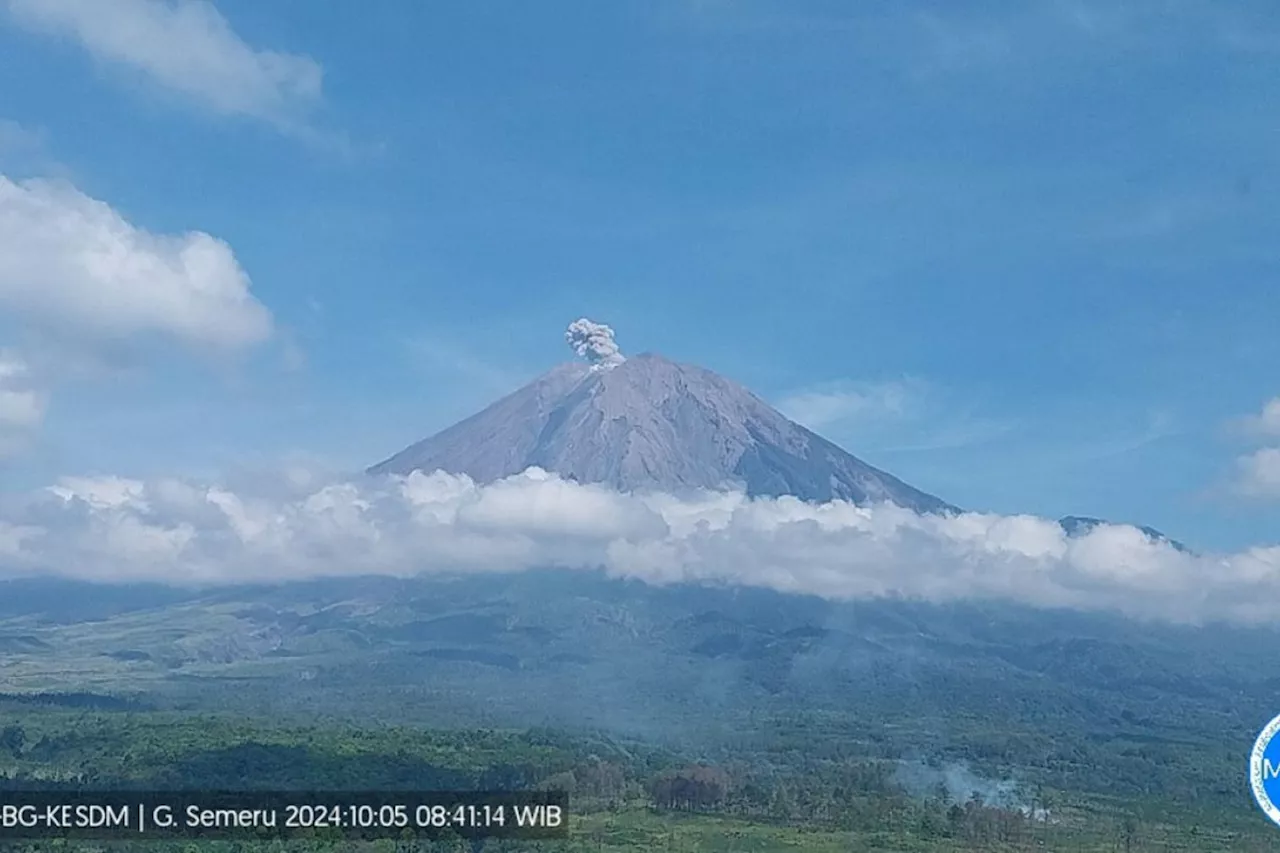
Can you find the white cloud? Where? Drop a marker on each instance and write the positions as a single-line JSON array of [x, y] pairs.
[[186, 46], [1268, 422], [182, 532], [102, 492], [72, 264], [1259, 473], [22, 406], [19, 407]]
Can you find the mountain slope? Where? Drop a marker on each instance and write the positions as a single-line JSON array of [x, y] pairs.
[[648, 423]]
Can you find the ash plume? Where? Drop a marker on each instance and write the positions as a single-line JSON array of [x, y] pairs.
[[594, 342]]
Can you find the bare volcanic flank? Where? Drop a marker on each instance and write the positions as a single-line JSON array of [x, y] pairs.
[[647, 423]]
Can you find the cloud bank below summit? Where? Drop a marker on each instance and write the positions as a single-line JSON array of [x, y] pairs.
[[179, 532]]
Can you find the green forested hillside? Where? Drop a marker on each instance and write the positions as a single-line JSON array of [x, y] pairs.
[[795, 723], [781, 793]]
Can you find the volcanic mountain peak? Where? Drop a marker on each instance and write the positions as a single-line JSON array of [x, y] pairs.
[[648, 423]]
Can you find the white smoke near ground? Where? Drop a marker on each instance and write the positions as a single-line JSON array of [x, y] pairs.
[[182, 532], [594, 342], [957, 784]]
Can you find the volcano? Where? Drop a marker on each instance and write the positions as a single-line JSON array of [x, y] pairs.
[[647, 423]]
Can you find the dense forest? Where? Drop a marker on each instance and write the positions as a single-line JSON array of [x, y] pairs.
[[624, 795]]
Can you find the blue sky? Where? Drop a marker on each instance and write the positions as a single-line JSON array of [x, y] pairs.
[[1022, 255]]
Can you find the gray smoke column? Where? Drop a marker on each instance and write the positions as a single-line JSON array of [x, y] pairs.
[[594, 342]]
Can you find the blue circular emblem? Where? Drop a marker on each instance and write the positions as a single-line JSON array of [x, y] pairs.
[[1264, 771]]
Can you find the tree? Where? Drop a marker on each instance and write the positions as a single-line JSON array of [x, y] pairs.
[[13, 738], [955, 818], [601, 779], [1129, 833], [693, 788]]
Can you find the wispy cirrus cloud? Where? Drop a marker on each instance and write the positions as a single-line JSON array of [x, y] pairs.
[[927, 44], [844, 403], [186, 47], [897, 415], [440, 356], [21, 146]]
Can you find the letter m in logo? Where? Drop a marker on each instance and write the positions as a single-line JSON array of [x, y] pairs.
[[1270, 770]]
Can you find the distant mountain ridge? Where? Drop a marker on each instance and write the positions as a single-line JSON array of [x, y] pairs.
[[1079, 525], [649, 423]]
